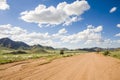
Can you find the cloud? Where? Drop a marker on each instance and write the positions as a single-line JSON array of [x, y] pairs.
[[90, 35], [8, 30], [113, 9], [118, 35], [118, 41], [118, 25], [108, 41], [31, 38], [19, 34], [4, 5], [62, 31], [63, 13], [71, 20]]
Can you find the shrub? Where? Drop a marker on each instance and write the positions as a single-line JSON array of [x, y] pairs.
[[106, 53], [61, 52], [18, 52]]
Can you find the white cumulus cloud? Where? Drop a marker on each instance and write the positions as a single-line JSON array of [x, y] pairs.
[[118, 35], [63, 13], [4, 5], [62, 31], [90, 35], [118, 25], [113, 9]]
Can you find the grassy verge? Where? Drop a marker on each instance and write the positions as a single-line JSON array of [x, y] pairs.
[[112, 53], [115, 54], [9, 58]]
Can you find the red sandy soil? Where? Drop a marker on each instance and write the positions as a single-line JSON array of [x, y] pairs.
[[88, 66]]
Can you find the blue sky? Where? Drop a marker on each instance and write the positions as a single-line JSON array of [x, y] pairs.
[[62, 23]]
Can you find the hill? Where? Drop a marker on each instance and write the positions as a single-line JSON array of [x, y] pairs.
[[8, 43]]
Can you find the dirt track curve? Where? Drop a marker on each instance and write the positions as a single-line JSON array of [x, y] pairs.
[[89, 66]]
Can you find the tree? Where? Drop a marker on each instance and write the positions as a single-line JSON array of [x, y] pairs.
[[61, 52]]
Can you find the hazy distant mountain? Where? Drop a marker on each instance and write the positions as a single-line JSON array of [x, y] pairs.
[[37, 46], [62, 49], [6, 42], [42, 47], [48, 47], [93, 49]]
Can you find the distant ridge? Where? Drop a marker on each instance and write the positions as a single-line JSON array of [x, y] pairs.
[[42, 47], [8, 43]]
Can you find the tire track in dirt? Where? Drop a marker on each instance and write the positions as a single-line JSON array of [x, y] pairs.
[[89, 66]]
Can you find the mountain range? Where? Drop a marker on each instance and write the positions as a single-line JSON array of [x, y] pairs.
[[8, 43]]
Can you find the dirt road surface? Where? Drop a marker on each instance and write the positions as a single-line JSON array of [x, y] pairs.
[[89, 66]]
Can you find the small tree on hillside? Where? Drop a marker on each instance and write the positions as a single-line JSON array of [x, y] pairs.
[[61, 52]]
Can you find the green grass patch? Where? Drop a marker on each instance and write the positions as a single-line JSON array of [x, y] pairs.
[[112, 53], [115, 53], [8, 56]]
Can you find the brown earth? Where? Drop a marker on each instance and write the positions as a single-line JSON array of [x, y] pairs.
[[89, 66]]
